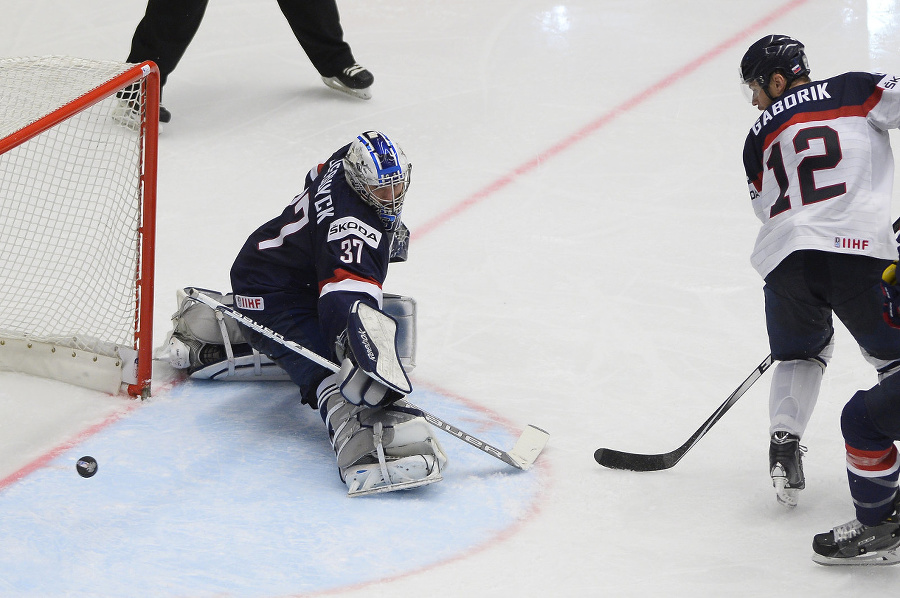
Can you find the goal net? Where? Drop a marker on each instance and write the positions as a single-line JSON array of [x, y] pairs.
[[77, 220]]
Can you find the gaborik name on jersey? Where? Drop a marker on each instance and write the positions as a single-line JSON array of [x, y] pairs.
[[814, 93]]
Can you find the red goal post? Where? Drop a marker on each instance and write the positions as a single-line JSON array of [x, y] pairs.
[[78, 160]]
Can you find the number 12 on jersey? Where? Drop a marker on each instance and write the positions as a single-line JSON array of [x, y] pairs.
[[806, 168]]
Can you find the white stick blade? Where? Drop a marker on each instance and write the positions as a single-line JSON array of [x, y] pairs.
[[529, 446]]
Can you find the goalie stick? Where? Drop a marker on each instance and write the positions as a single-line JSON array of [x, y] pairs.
[[641, 462], [522, 456]]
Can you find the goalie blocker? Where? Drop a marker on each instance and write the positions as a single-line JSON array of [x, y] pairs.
[[371, 373], [376, 352]]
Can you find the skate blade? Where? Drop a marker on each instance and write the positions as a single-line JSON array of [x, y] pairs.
[[333, 83], [787, 497], [402, 474], [887, 557], [360, 491]]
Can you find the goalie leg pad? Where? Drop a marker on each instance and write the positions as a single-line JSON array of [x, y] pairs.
[[254, 366], [403, 310], [197, 320], [200, 336], [379, 449]]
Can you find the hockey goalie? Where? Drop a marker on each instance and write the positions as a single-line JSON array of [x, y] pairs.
[[314, 275]]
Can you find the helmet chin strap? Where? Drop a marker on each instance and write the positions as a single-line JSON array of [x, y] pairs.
[[766, 91]]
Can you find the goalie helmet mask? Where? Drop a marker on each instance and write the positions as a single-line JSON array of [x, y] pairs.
[[379, 172], [771, 54]]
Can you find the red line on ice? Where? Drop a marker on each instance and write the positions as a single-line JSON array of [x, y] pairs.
[[594, 126], [55, 452]]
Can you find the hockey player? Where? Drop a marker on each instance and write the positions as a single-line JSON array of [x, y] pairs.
[[314, 274], [820, 170]]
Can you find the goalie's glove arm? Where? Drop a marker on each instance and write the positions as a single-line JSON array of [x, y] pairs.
[[339, 289], [333, 311]]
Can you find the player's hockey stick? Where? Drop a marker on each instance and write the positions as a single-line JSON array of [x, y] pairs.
[[640, 462], [522, 456]]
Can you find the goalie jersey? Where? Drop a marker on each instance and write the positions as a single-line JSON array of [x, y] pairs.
[[820, 169], [326, 250]]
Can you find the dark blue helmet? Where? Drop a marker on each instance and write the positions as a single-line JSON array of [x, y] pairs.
[[771, 54]]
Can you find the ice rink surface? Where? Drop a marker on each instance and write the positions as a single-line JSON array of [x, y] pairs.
[[580, 259]]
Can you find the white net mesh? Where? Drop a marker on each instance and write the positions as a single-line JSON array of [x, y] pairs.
[[70, 208]]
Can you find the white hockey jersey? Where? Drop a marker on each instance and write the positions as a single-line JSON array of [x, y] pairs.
[[820, 169]]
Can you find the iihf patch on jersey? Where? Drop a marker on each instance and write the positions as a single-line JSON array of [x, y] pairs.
[[249, 303], [852, 244], [349, 225]]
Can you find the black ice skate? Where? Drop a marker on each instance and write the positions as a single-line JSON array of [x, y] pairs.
[[856, 544], [354, 80], [786, 467]]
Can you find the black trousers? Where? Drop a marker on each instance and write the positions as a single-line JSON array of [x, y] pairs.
[[807, 287], [168, 27]]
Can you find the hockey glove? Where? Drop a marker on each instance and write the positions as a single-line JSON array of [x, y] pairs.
[[371, 372], [891, 306], [359, 388]]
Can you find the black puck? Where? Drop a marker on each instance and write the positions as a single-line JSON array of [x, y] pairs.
[[86, 467]]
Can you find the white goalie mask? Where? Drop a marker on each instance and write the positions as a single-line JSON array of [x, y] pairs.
[[379, 172]]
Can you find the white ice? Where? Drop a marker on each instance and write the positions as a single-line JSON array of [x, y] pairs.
[[580, 261]]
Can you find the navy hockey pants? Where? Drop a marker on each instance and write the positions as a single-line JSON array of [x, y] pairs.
[[300, 324], [807, 287]]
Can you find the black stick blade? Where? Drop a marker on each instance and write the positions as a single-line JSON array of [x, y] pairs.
[[635, 462], [638, 462]]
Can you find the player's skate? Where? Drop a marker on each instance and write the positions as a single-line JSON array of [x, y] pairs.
[[379, 449], [856, 544], [354, 80], [786, 467]]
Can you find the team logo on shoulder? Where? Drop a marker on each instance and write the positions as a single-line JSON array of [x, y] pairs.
[[889, 82], [343, 227]]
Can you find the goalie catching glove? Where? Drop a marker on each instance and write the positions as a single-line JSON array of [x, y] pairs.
[[371, 373]]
